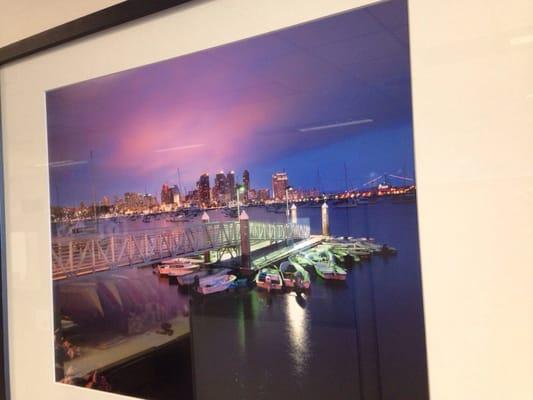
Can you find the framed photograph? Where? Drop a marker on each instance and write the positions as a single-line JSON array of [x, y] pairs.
[[263, 190], [243, 215], [221, 200]]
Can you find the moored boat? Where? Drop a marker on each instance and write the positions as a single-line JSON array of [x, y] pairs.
[[199, 274], [269, 278], [173, 268], [294, 275], [182, 269], [330, 271], [301, 260], [214, 284]]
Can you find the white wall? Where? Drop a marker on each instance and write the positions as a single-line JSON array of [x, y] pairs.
[[472, 68], [23, 18]]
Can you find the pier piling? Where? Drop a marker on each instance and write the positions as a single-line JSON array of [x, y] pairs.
[[244, 223], [207, 254], [325, 220], [294, 214]]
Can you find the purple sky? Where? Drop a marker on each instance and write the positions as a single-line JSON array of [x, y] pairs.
[[305, 99]]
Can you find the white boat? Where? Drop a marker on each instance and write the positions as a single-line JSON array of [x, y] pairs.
[[182, 260], [182, 269], [214, 284], [269, 278], [163, 269], [176, 269], [200, 274]]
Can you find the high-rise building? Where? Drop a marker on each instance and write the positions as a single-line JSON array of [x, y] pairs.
[[280, 182], [204, 190], [175, 195], [166, 195], [220, 188], [230, 182], [246, 184], [105, 201], [149, 200], [133, 200]]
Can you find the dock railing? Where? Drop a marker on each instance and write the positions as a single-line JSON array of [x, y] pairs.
[[87, 254]]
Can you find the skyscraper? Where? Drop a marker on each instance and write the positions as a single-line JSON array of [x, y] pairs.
[[280, 182], [166, 195], [246, 184], [220, 188], [204, 189], [230, 182], [176, 195]]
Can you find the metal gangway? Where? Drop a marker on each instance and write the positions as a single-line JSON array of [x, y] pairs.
[[73, 256]]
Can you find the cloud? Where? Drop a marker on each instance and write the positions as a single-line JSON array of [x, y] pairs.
[[177, 148]]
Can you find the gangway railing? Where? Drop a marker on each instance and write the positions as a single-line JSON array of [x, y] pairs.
[[87, 254]]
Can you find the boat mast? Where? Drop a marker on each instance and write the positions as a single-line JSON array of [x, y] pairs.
[[91, 167]]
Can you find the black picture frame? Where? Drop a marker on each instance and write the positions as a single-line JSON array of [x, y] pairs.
[[123, 12]]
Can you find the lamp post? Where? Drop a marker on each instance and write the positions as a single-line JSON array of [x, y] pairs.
[[287, 189], [239, 189]]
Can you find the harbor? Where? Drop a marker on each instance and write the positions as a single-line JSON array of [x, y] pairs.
[[239, 310]]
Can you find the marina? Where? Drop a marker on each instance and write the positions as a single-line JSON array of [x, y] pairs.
[[221, 284]]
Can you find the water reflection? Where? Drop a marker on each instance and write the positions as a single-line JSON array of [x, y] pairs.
[[298, 330], [362, 338]]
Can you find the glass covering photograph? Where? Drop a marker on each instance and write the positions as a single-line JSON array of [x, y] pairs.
[[241, 222]]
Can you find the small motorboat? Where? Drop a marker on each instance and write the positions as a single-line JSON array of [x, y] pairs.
[[182, 269], [181, 260], [301, 260], [330, 271], [368, 244], [215, 283], [269, 278], [353, 248], [388, 250], [342, 252], [199, 274], [176, 269], [318, 256], [294, 275], [163, 269]]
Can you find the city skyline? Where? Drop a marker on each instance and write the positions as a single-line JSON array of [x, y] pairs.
[[173, 193], [315, 101]]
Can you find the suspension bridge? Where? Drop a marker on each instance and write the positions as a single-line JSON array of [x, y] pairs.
[[74, 256], [387, 179]]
